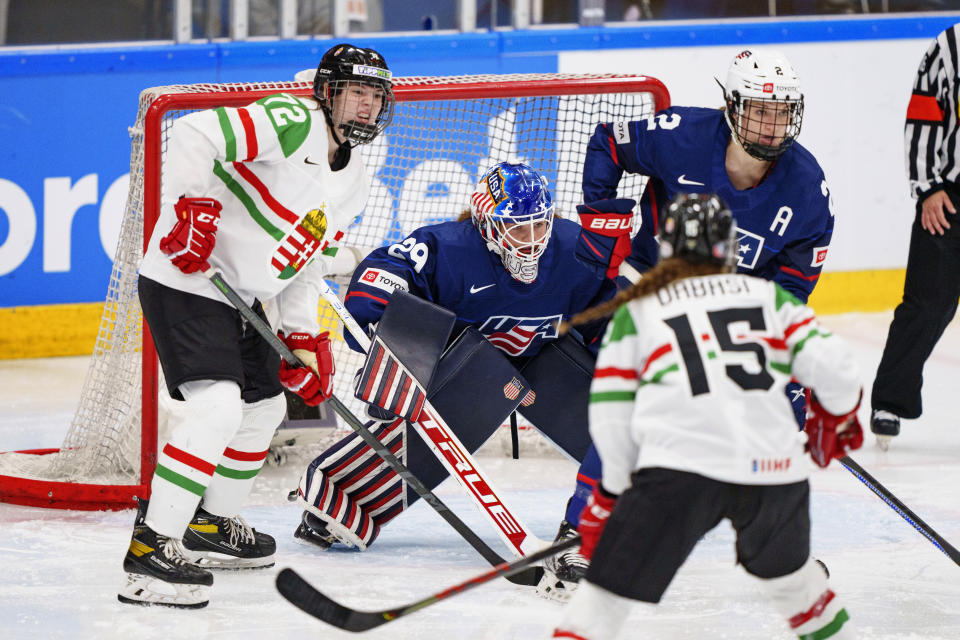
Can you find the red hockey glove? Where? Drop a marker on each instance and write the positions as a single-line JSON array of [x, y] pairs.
[[594, 519], [611, 219], [313, 383], [191, 240], [829, 437]]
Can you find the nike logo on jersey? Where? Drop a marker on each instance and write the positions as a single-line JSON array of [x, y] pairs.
[[683, 180], [309, 161], [475, 289]]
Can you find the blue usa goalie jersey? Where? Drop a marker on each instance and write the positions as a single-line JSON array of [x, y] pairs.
[[449, 264], [784, 223]]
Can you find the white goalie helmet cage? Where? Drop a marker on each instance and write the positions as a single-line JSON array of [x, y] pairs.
[[765, 76]]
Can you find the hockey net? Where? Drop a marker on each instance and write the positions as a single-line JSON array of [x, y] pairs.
[[445, 132]]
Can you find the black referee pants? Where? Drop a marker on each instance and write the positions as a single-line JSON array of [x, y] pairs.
[[930, 295]]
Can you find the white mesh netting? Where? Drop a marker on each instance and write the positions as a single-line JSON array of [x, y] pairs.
[[445, 132]]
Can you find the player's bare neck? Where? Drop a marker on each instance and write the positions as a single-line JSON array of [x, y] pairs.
[[744, 171]]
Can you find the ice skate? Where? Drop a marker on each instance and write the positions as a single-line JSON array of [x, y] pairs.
[[312, 530], [885, 426], [563, 571], [217, 542], [157, 572]]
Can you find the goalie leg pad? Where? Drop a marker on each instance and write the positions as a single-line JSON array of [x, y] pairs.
[[475, 389], [561, 374], [805, 600], [344, 518], [349, 485], [404, 353]]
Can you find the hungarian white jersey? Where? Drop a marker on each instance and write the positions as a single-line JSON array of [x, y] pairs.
[[284, 209], [692, 378]]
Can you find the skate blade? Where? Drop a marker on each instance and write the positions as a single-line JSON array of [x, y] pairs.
[[148, 591], [553, 588], [884, 442], [222, 561]]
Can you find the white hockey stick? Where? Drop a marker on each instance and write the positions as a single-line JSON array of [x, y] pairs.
[[453, 455]]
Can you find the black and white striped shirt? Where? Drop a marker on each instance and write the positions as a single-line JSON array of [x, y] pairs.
[[932, 131]]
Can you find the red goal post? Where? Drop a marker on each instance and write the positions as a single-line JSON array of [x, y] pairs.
[[445, 132]]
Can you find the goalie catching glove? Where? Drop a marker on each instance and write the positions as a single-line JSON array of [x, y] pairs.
[[191, 241], [594, 519], [314, 382], [830, 436], [607, 225]]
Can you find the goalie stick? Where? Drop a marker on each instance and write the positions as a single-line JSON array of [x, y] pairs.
[[902, 510], [319, 605], [455, 458], [530, 577]]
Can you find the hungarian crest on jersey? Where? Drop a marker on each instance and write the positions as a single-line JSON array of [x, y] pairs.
[[296, 249]]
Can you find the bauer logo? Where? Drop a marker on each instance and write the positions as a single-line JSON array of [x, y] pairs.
[[819, 256], [749, 246], [621, 132], [384, 280]]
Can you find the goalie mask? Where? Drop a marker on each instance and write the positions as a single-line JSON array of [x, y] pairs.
[[764, 105], [355, 90], [699, 228], [513, 211]]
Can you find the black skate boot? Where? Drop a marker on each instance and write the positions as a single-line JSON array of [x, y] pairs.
[[563, 571], [313, 530], [217, 542], [158, 574], [885, 426]]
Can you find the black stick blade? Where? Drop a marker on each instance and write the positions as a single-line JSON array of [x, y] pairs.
[[306, 597]]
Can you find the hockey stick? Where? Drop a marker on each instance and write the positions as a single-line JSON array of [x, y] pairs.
[[528, 578], [902, 510], [309, 599], [455, 458]]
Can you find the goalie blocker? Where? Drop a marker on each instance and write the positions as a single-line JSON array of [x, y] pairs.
[[473, 385]]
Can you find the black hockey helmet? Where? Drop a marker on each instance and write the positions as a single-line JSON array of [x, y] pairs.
[[698, 227], [344, 63]]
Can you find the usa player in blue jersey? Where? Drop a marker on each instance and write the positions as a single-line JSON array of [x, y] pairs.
[[748, 155], [511, 270]]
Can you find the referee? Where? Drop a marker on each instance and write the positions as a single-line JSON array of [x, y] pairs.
[[932, 286]]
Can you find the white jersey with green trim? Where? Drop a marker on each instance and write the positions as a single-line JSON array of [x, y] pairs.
[[284, 209], [692, 378]]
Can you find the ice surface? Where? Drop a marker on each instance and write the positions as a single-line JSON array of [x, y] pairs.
[[60, 570]]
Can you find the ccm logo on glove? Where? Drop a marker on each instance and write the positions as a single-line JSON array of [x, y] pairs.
[[191, 241]]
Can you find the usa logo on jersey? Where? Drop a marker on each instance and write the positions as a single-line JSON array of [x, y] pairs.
[[748, 248], [515, 336]]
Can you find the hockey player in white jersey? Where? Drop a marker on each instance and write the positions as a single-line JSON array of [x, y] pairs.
[[688, 414], [261, 193]]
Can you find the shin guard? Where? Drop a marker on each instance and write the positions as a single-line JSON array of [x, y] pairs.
[[810, 607]]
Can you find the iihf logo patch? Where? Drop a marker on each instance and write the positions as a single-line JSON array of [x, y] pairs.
[[819, 256]]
